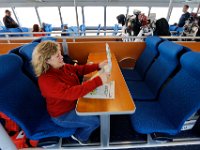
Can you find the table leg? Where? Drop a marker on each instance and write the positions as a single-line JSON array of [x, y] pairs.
[[105, 130]]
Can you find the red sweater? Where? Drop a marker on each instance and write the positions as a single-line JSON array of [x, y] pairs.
[[61, 87]]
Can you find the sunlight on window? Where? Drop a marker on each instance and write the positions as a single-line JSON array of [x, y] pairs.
[[69, 16], [27, 16], [176, 14], [50, 15], [144, 10], [161, 12], [94, 16], [112, 13], [2, 13]]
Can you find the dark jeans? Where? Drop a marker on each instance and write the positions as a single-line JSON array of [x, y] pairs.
[[85, 124]]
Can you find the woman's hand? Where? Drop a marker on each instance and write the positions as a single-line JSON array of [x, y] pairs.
[[104, 77], [103, 63]]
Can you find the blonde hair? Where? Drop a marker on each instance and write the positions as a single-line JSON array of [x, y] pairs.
[[42, 52]]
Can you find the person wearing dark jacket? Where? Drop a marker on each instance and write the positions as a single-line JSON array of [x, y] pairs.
[[9, 22], [184, 16]]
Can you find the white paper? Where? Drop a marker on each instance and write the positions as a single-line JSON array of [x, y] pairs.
[[106, 91]]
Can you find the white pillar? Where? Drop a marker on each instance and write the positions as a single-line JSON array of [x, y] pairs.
[[5, 141]]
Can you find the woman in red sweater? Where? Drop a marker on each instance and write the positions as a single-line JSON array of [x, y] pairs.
[[59, 84]]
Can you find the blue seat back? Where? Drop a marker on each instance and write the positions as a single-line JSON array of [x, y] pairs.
[[21, 100], [173, 27], [83, 29], [3, 29], [163, 67], [15, 30], [44, 39], [148, 55], [48, 28], [23, 29], [73, 31], [181, 97], [26, 53]]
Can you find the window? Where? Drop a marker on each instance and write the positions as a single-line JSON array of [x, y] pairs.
[[112, 13], [161, 12], [144, 10], [27, 16], [69, 16], [50, 15], [195, 10], [94, 16], [176, 14], [2, 14]]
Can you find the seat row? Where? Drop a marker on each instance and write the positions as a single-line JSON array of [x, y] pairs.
[[164, 86], [21, 99]]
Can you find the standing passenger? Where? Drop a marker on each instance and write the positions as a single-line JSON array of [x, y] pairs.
[[184, 16], [59, 84], [9, 21]]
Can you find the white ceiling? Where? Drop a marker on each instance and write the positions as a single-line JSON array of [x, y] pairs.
[[13, 3]]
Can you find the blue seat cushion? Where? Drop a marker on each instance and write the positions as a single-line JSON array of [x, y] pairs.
[[140, 91], [149, 118], [131, 75]]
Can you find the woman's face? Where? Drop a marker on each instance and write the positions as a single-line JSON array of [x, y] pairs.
[[56, 60]]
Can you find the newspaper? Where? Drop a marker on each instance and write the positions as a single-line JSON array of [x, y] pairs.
[[106, 91]]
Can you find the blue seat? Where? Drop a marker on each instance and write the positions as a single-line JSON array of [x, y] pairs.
[[21, 100], [26, 53], [83, 29], [73, 31], [44, 39], [158, 73], [115, 28], [3, 29], [15, 30], [178, 101], [173, 27], [48, 28], [144, 61], [23, 29]]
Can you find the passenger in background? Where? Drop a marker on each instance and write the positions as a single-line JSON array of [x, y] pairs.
[[9, 22], [162, 28], [36, 28], [64, 31], [184, 16], [60, 85]]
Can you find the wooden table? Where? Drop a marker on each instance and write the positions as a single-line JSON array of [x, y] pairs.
[[121, 104]]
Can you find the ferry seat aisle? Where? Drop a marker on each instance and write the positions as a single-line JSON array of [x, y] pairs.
[[178, 100], [21, 100]]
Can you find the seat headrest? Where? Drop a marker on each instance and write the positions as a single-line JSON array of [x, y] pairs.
[[190, 62], [48, 38], [169, 49], [27, 50], [10, 63], [153, 41]]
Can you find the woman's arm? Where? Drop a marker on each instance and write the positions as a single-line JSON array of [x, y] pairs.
[[52, 87]]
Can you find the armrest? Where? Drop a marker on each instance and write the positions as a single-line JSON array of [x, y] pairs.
[[127, 63]]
